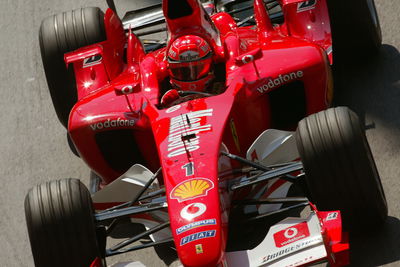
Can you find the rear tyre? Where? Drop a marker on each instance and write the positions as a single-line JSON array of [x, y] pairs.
[[61, 225], [355, 26], [62, 33], [340, 170]]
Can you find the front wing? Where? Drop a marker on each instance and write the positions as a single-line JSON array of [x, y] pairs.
[[317, 238]]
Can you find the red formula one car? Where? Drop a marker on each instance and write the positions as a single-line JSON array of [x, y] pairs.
[[190, 138]]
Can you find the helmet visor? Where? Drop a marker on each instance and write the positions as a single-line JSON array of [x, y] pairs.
[[189, 71]]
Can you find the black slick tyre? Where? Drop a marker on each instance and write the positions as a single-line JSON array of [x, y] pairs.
[[355, 27], [61, 226], [62, 33], [340, 170]]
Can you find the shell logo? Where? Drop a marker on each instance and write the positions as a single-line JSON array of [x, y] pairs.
[[191, 189]]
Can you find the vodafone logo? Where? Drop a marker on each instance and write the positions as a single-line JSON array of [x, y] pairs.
[[272, 83], [193, 210], [112, 124], [291, 234]]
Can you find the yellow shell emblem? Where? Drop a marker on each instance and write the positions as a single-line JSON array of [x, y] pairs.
[[191, 189]]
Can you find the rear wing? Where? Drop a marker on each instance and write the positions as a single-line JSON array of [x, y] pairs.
[[150, 19]]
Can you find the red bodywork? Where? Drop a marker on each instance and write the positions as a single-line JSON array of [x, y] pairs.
[[118, 121]]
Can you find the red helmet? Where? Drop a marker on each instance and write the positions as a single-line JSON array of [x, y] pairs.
[[189, 62]]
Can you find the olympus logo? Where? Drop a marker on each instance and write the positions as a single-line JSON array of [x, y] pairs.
[[112, 124], [281, 79]]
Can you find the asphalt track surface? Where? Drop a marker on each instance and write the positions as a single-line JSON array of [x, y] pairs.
[[33, 146]]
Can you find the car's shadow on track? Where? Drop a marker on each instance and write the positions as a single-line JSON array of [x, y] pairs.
[[376, 248], [372, 89], [370, 85]]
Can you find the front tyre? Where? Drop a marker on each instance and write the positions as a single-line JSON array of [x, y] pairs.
[[62, 33], [340, 170], [61, 225]]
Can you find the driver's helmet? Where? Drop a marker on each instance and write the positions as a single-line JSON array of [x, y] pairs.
[[189, 63]]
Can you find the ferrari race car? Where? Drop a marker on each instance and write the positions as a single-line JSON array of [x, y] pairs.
[[216, 140]]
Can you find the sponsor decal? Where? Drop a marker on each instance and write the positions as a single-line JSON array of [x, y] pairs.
[[112, 124], [186, 125], [281, 79], [197, 236], [91, 61], [189, 56], [193, 225], [302, 261], [243, 46], [173, 108], [306, 5], [189, 168], [291, 234], [193, 210], [332, 216], [191, 189], [291, 249], [172, 53], [234, 134], [205, 47], [199, 248]]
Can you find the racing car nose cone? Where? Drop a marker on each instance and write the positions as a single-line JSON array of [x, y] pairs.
[[196, 222], [198, 233]]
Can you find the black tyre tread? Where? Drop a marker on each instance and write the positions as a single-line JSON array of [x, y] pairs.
[[62, 33], [339, 166], [352, 27], [61, 226]]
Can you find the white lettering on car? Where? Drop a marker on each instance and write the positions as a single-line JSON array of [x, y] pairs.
[[306, 5], [194, 225], [332, 216], [197, 236], [185, 125], [112, 124], [91, 61], [281, 79], [173, 108], [290, 249], [189, 168]]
